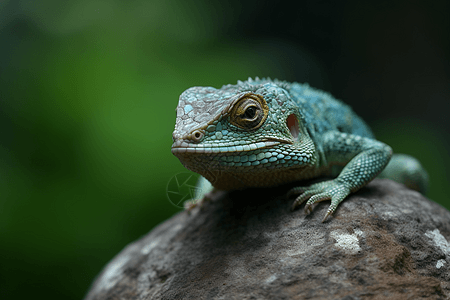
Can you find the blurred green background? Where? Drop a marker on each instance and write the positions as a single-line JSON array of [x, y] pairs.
[[88, 91]]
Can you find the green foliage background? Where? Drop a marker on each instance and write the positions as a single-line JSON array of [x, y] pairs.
[[88, 91]]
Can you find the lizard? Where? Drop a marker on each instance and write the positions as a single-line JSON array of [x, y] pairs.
[[265, 133]]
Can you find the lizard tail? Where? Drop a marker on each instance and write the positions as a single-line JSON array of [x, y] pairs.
[[406, 169]]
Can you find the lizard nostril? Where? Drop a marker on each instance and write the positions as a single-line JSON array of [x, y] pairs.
[[197, 135]]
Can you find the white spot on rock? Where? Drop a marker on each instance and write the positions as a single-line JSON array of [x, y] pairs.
[[347, 242], [440, 263], [439, 241], [359, 232], [271, 279], [389, 215]]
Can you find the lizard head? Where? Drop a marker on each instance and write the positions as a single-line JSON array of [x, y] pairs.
[[249, 134]]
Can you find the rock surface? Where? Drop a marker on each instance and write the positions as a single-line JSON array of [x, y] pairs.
[[384, 242]]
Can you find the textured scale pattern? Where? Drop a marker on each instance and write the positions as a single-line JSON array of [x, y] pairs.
[[263, 132]]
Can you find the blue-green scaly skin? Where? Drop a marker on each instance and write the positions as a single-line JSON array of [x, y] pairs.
[[302, 133]]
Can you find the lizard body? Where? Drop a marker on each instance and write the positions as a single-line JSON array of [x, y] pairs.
[[263, 132]]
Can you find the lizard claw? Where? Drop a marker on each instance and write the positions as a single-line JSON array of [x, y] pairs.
[[327, 215], [326, 190], [302, 198], [190, 205], [308, 209]]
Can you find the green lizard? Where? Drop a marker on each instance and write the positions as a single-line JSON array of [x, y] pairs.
[[263, 132]]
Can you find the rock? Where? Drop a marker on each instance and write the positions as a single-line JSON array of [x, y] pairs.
[[384, 242]]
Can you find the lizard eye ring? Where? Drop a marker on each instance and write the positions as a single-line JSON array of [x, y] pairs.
[[249, 112]]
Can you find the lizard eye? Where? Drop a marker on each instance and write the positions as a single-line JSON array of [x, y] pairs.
[[249, 112]]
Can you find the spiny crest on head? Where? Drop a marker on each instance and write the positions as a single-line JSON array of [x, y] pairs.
[[252, 85]]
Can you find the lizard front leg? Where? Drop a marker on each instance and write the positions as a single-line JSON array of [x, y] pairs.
[[365, 158]]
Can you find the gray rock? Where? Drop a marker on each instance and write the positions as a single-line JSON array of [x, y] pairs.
[[384, 242]]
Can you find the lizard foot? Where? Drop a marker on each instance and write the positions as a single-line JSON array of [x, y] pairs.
[[327, 190]]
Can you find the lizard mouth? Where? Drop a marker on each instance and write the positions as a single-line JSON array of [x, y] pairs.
[[184, 147]]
